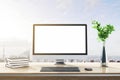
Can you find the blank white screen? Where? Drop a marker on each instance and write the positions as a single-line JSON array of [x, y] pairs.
[[60, 39]]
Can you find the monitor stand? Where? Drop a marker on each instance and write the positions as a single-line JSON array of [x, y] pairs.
[[60, 62]]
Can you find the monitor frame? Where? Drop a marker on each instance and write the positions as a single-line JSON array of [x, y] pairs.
[[35, 25]]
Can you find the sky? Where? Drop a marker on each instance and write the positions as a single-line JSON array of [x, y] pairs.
[[18, 16]]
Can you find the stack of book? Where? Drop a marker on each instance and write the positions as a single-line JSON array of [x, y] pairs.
[[17, 62]]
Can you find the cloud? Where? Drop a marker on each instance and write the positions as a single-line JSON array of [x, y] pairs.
[[91, 4], [64, 5]]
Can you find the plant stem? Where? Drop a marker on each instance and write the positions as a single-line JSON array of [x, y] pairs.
[[104, 43]]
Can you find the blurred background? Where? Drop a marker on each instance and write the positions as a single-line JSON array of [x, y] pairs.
[[18, 16]]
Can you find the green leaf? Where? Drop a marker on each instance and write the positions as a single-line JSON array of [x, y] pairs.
[[103, 31]]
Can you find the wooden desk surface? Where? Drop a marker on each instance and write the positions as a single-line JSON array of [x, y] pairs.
[[33, 72], [34, 69]]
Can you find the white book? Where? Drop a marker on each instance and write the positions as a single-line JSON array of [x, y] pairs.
[[17, 59], [16, 63], [13, 62], [16, 66]]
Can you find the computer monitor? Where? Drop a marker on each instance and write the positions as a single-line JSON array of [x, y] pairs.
[[59, 39]]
